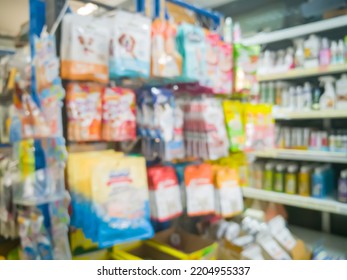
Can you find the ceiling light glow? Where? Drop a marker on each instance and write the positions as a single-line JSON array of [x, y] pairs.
[[87, 9]]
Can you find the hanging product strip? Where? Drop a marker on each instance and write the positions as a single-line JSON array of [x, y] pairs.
[[33, 194]]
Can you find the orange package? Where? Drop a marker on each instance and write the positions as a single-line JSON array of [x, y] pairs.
[[229, 200], [118, 114], [199, 189], [83, 103]]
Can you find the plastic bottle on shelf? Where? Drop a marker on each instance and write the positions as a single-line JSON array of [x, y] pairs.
[[291, 179], [334, 52], [332, 142], [311, 50], [269, 176], [342, 187], [340, 52], [304, 180], [344, 142], [285, 97], [324, 53], [318, 183], [258, 175], [292, 98], [271, 93], [289, 59], [279, 178], [341, 92], [228, 30], [264, 92], [328, 98], [299, 56], [339, 142], [278, 93], [300, 99], [315, 99], [307, 96]]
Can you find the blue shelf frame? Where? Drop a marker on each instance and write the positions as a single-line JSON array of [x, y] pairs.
[[214, 16]]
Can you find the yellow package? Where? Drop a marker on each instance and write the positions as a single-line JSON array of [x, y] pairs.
[[229, 200], [259, 127], [120, 197], [79, 174], [233, 113], [239, 162]]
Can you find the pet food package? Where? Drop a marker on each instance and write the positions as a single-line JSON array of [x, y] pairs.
[[118, 114], [229, 200], [212, 61], [259, 127], [225, 68], [191, 44], [166, 61], [85, 48], [199, 190], [83, 103], [164, 193], [246, 62], [120, 196], [214, 126], [79, 173], [130, 45]]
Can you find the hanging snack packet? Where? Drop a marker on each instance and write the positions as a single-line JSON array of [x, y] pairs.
[[212, 60], [229, 200], [166, 61], [34, 125], [214, 126], [225, 67], [130, 45], [233, 112], [46, 62], [246, 63], [120, 197], [199, 189], [191, 44], [83, 102], [85, 48], [164, 193], [259, 127], [118, 114]]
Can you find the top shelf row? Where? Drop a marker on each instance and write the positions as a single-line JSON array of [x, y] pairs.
[[300, 73], [296, 31]]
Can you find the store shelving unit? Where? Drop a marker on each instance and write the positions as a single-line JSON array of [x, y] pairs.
[[303, 73], [302, 155], [279, 114], [296, 31], [326, 205], [333, 244]]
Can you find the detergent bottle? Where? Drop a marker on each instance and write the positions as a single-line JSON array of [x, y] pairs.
[[328, 98]]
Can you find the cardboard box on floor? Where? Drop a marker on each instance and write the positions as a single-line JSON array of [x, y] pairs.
[[193, 247], [231, 251], [138, 251]]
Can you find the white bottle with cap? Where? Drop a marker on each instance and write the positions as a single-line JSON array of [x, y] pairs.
[[328, 98], [341, 92]]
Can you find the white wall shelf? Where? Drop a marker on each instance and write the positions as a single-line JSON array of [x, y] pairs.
[[302, 155], [279, 114], [296, 31], [303, 73], [324, 205]]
